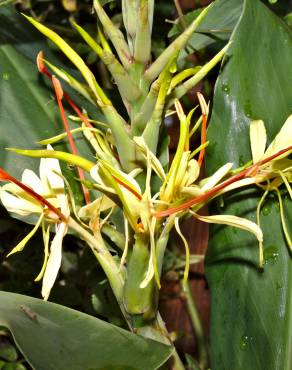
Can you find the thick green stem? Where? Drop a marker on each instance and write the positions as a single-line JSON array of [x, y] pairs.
[[104, 257], [156, 330], [124, 144], [197, 324]]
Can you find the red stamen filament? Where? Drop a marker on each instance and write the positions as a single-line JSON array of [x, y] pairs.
[[4, 176], [59, 97], [60, 94], [209, 194], [137, 195]]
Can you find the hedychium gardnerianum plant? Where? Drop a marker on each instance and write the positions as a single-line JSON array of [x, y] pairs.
[[127, 177]]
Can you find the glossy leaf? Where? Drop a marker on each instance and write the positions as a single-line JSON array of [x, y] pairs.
[[251, 309], [55, 337], [217, 25], [28, 111]]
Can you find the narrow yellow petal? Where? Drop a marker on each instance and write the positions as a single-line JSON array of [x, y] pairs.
[[211, 181], [234, 221], [187, 249], [25, 240], [258, 139], [282, 141], [46, 238]]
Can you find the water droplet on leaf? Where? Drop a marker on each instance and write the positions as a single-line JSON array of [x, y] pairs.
[[225, 87], [6, 76], [266, 210], [244, 342], [271, 254]]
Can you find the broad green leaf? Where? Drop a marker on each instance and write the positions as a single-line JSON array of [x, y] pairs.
[[251, 309], [217, 25], [54, 337], [28, 111]]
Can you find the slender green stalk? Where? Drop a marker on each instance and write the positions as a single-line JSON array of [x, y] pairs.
[[124, 144], [182, 89], [151, 132], [177, 363], [106, 260], [196, 323], [144, 114], [127, 87], [178, 44], [114, 34]]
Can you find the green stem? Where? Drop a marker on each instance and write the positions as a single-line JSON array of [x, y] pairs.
[[182, 89], [196, 323], [177, 364], [104, 257], [157, 331], [107, 262]]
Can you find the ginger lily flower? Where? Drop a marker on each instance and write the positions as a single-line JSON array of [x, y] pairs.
[[283, 140], [43, 196]]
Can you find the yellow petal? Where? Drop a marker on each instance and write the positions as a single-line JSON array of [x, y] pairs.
[[258, 139], [15, 204], [98, 205], [54, 261], [282, 141], [210, 182], [26, 239], [46, 238], [234, 221], [187, 249]]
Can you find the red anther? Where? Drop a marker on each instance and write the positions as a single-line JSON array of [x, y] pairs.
[[58, 88], [43, 69], [204, 109], [4, 176], [41, 65]]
